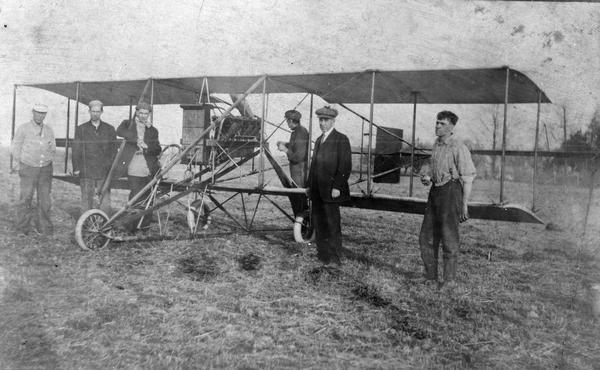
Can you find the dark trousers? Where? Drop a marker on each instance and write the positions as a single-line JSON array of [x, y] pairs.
[[88, 192], [34, 180], [299, 201], [440, 224], [326, 219], [136, 184]]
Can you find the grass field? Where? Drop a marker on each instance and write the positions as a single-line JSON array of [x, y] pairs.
[[260, 300]]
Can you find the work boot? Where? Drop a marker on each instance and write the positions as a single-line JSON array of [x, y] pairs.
[[430, 271], [449, 269]]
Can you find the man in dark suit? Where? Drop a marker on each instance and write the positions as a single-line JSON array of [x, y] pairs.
[[328, 185], [94, 148], [297, 152]]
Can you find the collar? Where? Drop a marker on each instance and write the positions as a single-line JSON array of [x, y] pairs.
[[96, 125], [36, 125], [448, 140], [326, 134], [148, 124]]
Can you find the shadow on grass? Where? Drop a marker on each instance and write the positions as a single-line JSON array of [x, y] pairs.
[[378, 263]]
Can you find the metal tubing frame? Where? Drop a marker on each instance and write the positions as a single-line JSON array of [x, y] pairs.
[[412, 148], [177, 158], [535, 150], [12, 128], [279, 208], [224, 210], [201, 187], [68, 123], [371, 109], [255, 211], [503, 158]]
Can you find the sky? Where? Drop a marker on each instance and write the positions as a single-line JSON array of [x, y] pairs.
[[556, 44]]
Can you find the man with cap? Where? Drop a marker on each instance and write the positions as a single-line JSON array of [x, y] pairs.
[[33, 149], [94, 149], [139, 159], [450, 175], [328, 185], [297, 152]]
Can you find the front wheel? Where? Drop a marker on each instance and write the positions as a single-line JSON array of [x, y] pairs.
[[88, 230], [304, 232]]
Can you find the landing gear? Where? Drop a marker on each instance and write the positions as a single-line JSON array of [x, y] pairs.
[[198, 216], [304, 232], [89, 232]]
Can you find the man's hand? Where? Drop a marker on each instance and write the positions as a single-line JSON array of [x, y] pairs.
[[282, 147], [76, 173], [425, 180], [335, 193], [464, 214]]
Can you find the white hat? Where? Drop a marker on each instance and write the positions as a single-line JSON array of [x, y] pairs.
[[95, 103], [41, 108]]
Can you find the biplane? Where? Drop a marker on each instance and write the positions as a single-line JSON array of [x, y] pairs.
[[216, 141]]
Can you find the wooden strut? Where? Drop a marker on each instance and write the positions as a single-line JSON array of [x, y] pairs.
[[371, 109], [535, 152], [503, 158], [412, 147], [67, 138]]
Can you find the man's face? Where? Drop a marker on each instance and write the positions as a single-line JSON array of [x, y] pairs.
[[291, 124], [443, 127], [38, 117], [142, 115], [95, 113], [326, 123]]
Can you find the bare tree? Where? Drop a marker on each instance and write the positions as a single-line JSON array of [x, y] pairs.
[[495, 121]]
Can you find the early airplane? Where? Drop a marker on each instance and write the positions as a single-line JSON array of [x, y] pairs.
[[215, 141]]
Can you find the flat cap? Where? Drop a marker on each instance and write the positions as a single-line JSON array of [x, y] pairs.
[[293, 114], [327, 111], [96, 103], [144, 105], [41, 108]]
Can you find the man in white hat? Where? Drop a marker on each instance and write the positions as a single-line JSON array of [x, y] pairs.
[[33, 149], [94, 149]]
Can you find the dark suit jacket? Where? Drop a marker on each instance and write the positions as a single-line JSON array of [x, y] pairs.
[[330, 168], [94, 150], [128, 132]]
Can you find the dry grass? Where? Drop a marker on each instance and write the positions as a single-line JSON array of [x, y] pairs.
[[260, 300]]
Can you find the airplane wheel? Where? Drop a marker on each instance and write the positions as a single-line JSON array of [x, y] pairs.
[[198, 210], [304, 232], [88, 230]]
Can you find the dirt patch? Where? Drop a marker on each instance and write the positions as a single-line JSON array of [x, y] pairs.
[[198, 268], [249, 261], [370, 294]]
